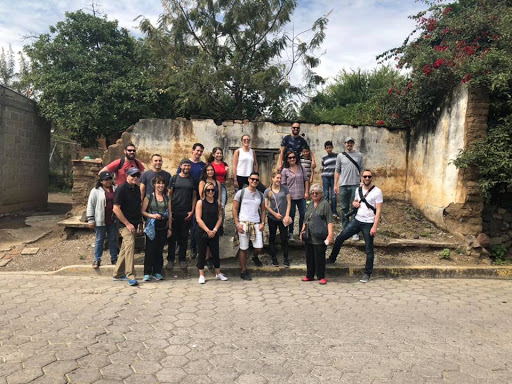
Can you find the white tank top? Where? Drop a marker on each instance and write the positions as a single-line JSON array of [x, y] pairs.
[[245, 163]]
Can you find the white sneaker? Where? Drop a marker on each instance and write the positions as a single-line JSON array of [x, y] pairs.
[[201, 280], [355, 237], [221, 276]]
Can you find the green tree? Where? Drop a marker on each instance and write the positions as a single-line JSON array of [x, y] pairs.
[[353, 98], [223, 58], [470, 42], [7, 67], [88, 78]]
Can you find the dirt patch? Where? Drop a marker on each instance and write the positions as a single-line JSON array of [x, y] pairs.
[[400, 220]]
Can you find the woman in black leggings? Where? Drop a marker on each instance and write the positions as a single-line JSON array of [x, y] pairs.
[[209, 220]]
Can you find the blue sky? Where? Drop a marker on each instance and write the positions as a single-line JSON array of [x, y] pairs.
[[358, 30]]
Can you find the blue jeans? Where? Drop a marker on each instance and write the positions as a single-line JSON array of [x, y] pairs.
[[101, 232], [328, 184], [299, 204], [354, 227], [347, 194]]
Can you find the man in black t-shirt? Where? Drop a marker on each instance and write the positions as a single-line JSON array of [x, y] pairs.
[[294, 143], [183, 198], [127, 210]]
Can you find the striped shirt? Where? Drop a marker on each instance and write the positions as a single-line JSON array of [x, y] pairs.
[[329, 165]]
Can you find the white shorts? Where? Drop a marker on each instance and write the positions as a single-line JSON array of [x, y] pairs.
[[244, 239]]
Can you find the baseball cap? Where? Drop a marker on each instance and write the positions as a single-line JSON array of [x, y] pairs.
[[105, 176], [132, 171], [185, 161], [349, 139]]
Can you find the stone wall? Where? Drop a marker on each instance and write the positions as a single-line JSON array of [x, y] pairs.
[[447, 196], [24, 154], [497, 223], [384, 150], [85, 176]]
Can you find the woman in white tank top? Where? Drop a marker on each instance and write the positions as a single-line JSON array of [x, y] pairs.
[[244, 162]]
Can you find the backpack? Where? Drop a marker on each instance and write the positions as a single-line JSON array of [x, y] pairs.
[[121, 163]]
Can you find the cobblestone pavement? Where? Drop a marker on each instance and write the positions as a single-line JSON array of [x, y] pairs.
[[57, 329]]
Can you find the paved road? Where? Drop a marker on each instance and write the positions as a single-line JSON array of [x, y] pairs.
[[57, 329]]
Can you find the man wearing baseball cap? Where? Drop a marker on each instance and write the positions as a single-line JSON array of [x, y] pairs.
[[347, 177], [127, 210]]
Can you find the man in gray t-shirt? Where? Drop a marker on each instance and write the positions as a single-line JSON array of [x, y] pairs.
[[347, 176]]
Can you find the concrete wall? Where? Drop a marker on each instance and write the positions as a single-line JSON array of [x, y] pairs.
[[384, 150], [24, 153], [447, 196]]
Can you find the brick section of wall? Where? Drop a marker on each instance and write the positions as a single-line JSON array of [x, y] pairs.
[[24, 154], [85, 176]]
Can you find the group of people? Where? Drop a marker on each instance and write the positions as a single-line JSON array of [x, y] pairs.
[[193, 201]]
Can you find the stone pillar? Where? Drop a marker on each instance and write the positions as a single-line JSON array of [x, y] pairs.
[[465, 216], [85, 176]]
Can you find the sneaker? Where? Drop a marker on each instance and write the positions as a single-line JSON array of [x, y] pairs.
[[245, 276], [221, 277], [122, 278], [329, 261], [146, 278], [113, 261], [275, 262], [170, 265], [365, 278], [323, 281], [96, 264], [286, 263], [305, 278], [183, 264], [201, 280], [157, 276], [257, 261], [355, 237], [133, 282]]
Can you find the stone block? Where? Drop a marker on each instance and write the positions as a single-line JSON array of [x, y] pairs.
[[507, 217], [501, 211], [30, 251], [483, 240]]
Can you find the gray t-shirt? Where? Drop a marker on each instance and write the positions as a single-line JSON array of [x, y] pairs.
[[147, 179], [324, 211], [278, 201], [349, 174]]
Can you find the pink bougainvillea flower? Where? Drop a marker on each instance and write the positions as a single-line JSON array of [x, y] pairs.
[[380, 122], [466, 78], [427, 69], [447, 10], [438, 63]]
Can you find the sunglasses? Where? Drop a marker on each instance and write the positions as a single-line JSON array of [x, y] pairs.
[[367, 177], [135, 175], [254, 180], [314, 193], [291, 157], [210, 190], [130, 150]]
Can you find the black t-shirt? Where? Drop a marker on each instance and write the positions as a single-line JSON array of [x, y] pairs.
[[147, 179], [128, 198], [183, 191]]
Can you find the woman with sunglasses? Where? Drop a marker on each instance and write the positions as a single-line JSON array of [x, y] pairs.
[[295, 178], [100, 216], [209, 220], [315, 247], [155, 208], [278, 206]]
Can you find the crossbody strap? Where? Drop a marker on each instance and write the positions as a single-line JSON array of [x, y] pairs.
[[363, 198], [352, 160]]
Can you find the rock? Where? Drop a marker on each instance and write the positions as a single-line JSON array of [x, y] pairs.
[[497, 217], [29, 251], [504, 226], [485, 260], [507, 217], [238, 121], [483, 240], [502, 211], [5, 261], [416, 236], [496, 240], [403, 236]]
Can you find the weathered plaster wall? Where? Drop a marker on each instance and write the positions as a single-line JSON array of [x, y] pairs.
[[384, 150], [448, 196], [24, 153]]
